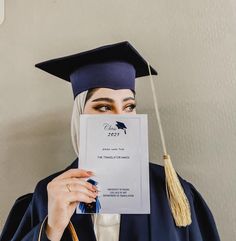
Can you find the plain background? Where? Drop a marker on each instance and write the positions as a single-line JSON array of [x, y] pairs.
[[191, 43]]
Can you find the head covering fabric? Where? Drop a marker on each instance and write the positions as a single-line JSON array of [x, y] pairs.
[[78, 109]]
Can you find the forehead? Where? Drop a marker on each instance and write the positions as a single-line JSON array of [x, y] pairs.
[[111, 93]]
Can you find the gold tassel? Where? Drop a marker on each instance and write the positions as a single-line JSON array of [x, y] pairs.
[[178, 201]]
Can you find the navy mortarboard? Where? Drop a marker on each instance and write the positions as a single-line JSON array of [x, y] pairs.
[[112, 66]]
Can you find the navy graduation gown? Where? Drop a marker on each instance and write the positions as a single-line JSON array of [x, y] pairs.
[[157, 226]]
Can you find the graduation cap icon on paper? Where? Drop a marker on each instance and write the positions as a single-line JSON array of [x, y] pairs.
[[121, 125]]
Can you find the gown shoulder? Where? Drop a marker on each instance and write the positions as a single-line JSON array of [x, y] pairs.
[[203, 226]]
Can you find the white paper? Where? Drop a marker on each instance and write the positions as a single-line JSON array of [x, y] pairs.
[[119, 158]]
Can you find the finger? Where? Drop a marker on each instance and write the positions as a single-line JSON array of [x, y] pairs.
[[79, 188], [75, 172], [74, 180], [79, 197]]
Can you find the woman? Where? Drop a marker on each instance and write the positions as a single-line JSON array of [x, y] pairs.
[[103, 82], [98, 101]]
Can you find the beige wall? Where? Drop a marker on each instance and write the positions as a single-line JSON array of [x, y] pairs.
[[191, 43]]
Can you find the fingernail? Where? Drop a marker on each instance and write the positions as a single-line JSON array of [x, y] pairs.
[[90, 173], [94, 188]]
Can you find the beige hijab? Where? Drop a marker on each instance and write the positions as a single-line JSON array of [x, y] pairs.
[[78, 109]]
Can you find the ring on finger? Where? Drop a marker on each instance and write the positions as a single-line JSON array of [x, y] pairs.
[[68, 187]]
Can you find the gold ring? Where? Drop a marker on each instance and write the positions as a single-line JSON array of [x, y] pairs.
[[68, 187]]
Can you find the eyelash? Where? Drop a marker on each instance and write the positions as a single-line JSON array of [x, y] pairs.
[[98, 107]]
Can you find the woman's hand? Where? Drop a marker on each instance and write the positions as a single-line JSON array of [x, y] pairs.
[[63, 199]]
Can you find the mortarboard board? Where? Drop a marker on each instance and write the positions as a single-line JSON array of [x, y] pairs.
[[111, 66]]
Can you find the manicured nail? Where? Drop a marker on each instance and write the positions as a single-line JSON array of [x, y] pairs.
[[94, 188], [90, 173]]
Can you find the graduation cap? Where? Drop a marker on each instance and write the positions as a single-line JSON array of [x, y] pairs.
[[116, 66], [112, 66], [121, 125]]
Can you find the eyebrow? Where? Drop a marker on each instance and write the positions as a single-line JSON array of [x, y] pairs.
[[111, 100]]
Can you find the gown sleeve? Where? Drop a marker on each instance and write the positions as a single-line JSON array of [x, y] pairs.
[[19, 224], [15, 216], [203, 226]]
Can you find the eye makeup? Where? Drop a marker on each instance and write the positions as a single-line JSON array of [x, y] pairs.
[[108, 107]]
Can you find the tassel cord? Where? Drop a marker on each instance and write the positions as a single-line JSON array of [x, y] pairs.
[[157, 111], [177, 199]]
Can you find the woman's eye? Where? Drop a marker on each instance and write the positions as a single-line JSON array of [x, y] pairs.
[[106, 108], [102, 108], [131, 107]]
